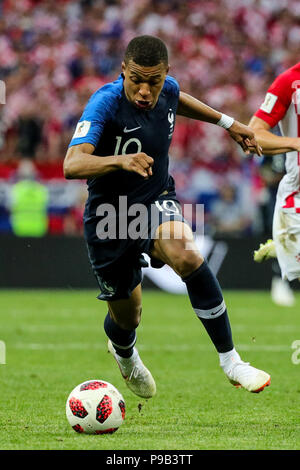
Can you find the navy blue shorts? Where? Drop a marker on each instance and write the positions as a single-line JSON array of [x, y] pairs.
[[117, 264]]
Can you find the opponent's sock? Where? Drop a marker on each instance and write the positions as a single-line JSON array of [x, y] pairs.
[[122, 340], [208, 303]]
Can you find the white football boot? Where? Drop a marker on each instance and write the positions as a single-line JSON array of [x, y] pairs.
[[241, 374], [281, 293], [137, 377], [265, 251]]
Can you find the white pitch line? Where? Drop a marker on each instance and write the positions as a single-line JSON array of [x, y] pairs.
[[286, 328], [238, 327], [164, 347], [55, 328]]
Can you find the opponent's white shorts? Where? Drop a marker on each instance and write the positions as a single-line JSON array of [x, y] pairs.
[[286, 236]]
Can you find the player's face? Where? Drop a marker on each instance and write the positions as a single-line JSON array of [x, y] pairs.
[[142, 85]]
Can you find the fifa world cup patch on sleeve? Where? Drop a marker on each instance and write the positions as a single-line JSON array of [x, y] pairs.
[[82, 129], [269, 102]]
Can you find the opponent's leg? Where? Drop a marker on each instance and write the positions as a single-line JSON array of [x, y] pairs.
[[265, 251], [281, 292], [179, 251], [120, 326]]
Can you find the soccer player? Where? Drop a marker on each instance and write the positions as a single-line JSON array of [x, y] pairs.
[[121, 146], [282, 107]]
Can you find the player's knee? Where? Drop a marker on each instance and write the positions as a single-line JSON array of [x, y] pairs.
[[132, 323], [132, 320], [185, 261], [188, 263]]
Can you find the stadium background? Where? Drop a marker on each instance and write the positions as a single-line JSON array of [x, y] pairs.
[[55, 54]]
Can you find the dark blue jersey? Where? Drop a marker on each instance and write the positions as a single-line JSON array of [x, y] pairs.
[[116, 127]]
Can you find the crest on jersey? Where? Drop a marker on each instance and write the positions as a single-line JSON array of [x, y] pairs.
[[82, 129], [269, 102]]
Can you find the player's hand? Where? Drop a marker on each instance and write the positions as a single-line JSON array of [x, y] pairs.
[[245, 137], [139, 163], [295, 143]]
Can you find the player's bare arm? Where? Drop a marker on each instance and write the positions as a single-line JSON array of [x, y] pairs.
[[272, 144], [190, 107], [80, 163]]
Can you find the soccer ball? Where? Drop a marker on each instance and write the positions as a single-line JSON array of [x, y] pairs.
[[95, 407]]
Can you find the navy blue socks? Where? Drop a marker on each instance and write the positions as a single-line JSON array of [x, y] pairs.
[[123, 340], [208, 303]]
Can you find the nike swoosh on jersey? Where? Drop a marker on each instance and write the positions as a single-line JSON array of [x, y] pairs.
[[125, 130]]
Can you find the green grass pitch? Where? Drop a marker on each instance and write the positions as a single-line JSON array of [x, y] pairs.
[[55, 340]]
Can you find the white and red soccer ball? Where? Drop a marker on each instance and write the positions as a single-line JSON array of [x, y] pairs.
[[95, 407]]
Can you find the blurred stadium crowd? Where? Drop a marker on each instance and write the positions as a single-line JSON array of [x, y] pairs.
[[54, 54]]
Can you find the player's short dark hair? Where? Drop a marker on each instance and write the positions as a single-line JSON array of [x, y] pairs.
[[146, 51]]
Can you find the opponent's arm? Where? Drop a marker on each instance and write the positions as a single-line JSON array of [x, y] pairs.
[[272, 144], [79, 163], [190, 107]]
